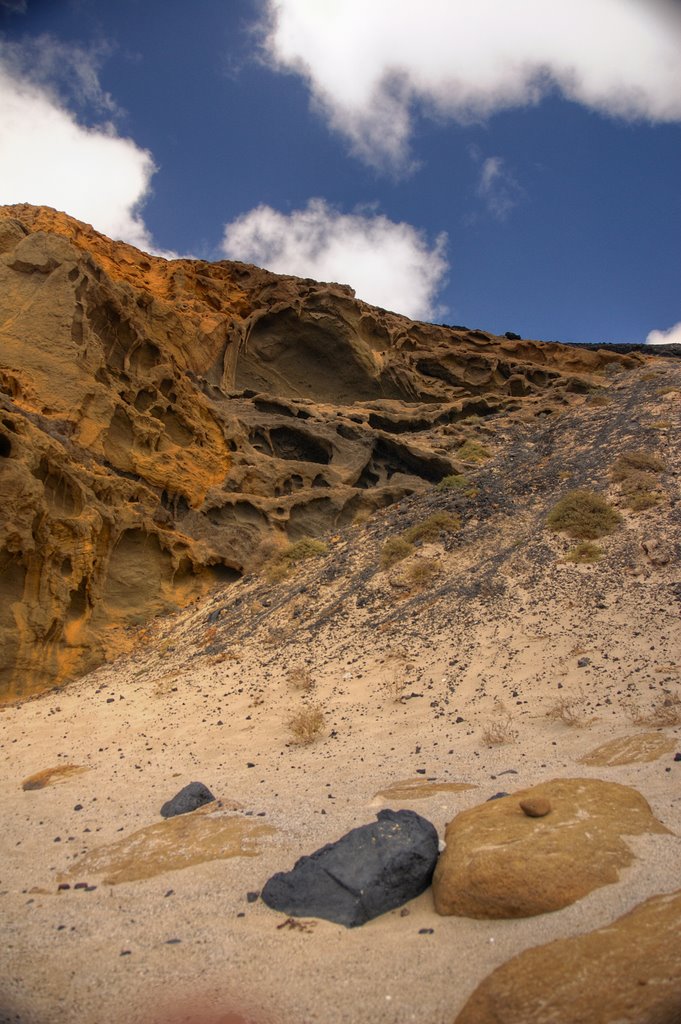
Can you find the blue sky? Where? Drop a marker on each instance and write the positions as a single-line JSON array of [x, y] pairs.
[[504, 166]]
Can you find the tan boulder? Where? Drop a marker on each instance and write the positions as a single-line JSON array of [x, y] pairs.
[[625, 973], [499, 862]]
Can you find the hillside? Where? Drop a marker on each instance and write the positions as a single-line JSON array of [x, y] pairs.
[[445, 641], [163, 425]]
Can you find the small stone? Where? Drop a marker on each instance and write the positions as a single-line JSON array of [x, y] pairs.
[[252, 896], [63, 886], [677, 757], [497, 796], [426, 931], [536, 807]]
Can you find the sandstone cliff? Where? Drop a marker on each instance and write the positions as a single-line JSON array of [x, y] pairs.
[[160, 420]]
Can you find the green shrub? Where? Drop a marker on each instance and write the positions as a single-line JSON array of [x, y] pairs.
[[473, 451], [306, 547], [583, 515], [431, 528], [458, 482], [280, 565], [401, 546]]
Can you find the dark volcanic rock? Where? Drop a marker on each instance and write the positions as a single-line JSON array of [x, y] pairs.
[[188, 799], [371, 870]]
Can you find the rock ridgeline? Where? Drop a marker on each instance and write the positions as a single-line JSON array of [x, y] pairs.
[[160, 419]]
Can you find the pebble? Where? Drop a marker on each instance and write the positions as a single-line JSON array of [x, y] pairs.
[[536, 807]]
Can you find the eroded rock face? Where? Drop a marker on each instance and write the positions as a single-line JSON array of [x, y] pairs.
[[626, 971], [499, 862], [159, 419]]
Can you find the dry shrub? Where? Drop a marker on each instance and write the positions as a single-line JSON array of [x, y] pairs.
[[570, 709], [394, 550], [498, 731], [642, 461], [307, 725], [473, 451], [583, 515], [665, 710], [393, 686], [584, 553], [300, 678], [635, 472], [421, 572]]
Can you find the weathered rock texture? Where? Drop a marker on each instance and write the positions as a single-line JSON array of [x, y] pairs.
[[637, 749], [499, 862], [625, 973], [159, 419], [369, 871]]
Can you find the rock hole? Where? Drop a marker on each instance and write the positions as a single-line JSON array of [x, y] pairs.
[[288, 443]]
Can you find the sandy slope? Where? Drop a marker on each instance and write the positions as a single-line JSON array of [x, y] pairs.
[[211, 701]]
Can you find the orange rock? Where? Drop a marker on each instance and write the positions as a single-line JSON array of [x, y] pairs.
[[500, 864], [536, 807], [625, 971]]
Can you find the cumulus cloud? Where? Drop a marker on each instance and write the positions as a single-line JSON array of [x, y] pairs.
[[371, 66], [47, 157], [670, 337], [388, 264]]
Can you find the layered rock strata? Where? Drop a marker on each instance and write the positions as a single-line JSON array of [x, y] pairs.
[[160, 419]]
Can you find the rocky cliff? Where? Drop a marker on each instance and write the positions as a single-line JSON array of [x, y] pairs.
[[161, 421]]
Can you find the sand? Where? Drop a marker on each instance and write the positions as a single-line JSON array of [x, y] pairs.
[[501, 639], [185, 944]]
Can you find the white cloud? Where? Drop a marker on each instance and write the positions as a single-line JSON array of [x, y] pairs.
[[670, 337], [388, 264], [48, 158], [497, 187], [369, 65]]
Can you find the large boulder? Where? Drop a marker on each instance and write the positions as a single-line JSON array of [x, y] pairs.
[[371, 870], [501, 862], [625, 973]]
